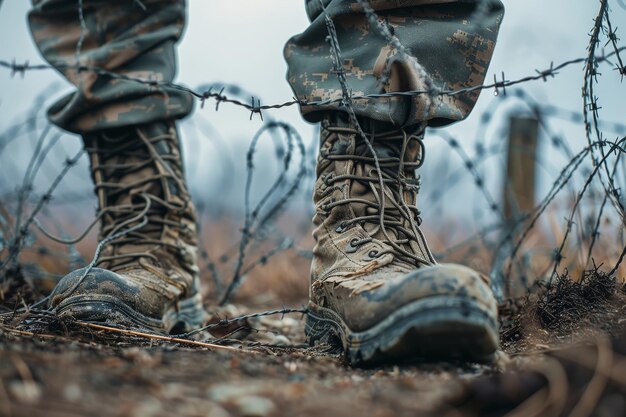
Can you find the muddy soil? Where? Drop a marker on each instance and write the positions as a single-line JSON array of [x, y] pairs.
[[563, 353]]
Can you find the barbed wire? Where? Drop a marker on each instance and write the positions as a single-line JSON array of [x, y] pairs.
[[253, 218], [261, 239], [255, 107]]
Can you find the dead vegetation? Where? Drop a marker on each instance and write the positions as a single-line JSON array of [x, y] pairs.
[[565, 343]]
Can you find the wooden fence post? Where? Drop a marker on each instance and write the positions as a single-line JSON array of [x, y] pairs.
[[519, 188], [518, 196]]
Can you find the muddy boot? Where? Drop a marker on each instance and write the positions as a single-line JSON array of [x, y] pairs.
[[376, 289], [146, 274]]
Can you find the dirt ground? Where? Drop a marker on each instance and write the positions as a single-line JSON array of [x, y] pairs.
[[563, 354]]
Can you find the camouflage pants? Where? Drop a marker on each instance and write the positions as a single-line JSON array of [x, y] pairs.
[[447, 43]]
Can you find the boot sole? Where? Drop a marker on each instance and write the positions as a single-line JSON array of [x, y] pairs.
[[435, 328], [103, 309]]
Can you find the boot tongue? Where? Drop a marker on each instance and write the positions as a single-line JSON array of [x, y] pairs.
[[136, 183], [132, 179], [370, 190]]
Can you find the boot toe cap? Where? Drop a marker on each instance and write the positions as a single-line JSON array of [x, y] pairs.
[[386, 291], [100, 295]]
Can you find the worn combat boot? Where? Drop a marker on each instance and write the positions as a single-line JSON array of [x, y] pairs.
[[146, 274], [376, 289]]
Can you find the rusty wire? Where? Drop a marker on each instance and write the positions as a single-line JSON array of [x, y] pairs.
[[20, 208]]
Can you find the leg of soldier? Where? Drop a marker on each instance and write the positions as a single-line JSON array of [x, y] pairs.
[[376, 289], [134, 39], [146, 273]]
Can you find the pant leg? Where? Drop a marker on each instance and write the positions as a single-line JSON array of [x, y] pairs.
[[121, 37], [443, 43]]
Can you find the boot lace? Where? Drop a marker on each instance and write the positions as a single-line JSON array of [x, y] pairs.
[[133, 176], [390, 177]]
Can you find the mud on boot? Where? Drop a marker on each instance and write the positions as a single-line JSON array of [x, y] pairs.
[[375, 286], [146, 274]]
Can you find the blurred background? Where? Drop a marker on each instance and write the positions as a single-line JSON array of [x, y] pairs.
[[237, 44]]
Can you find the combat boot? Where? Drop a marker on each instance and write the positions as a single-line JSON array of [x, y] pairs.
[[145, 272], [376, 290]]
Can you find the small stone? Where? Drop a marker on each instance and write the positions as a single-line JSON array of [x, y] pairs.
[[148, 407], [245, 397], [357, 378], [26, 392], [254, 406], [501, 360], [281, 340], [227, 392], [72, 393]]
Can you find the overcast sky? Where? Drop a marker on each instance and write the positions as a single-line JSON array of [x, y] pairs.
[[241, 41]]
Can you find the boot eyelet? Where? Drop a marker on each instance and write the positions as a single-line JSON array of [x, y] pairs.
[[341, 228], [328, 179], [373, 254], [352, 245]]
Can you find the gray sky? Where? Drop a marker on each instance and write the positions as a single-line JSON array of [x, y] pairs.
[[241, 41]]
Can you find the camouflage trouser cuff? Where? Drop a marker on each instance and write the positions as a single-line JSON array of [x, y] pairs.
[[139, 105], [411, 45], [437, 44], [115, 36]]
